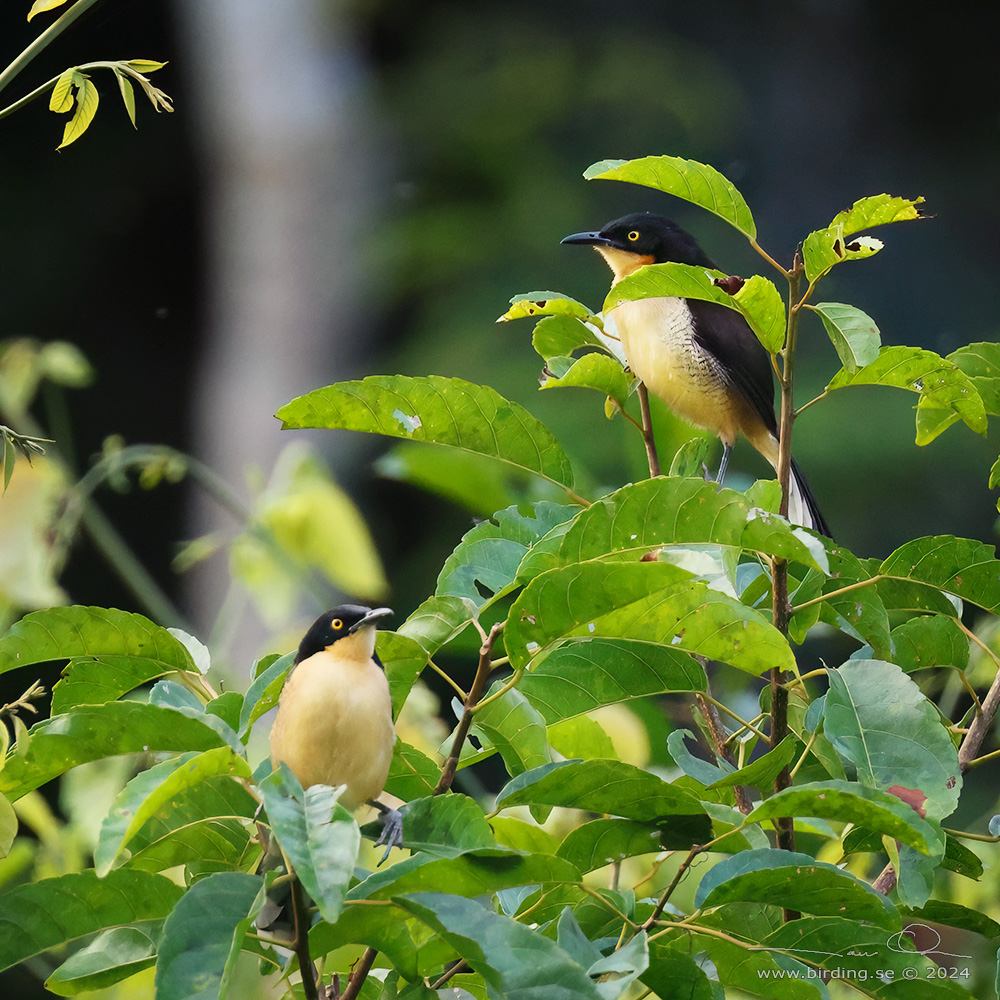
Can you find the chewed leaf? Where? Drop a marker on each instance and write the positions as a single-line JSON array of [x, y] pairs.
[[695, 182], [529, 304], [87, 100]]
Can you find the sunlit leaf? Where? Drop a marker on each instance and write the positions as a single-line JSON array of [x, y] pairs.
[[929, 641], [534, 304], [128, 95], [937, 380], [964, 567], [646, 601], [61, 98], [596, 371], [444, 411], [695, 182], [853, 334], [87, 100], [39, 6]]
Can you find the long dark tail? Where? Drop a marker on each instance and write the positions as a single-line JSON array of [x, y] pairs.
[[807, 503]]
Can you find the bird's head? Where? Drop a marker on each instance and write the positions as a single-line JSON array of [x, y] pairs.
[[642, 238], [352, 625]]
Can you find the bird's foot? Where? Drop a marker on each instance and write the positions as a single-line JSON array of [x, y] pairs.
[[392, 828]]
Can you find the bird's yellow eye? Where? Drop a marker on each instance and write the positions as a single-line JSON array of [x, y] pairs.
[[634, 235], [337, 624]]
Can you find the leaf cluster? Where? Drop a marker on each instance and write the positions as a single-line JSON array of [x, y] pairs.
[[583, 873]]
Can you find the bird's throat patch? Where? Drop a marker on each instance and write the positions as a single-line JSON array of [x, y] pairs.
[[624, 262]]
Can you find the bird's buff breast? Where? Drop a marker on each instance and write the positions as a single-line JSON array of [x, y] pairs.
[[334, 727], [656, 339]]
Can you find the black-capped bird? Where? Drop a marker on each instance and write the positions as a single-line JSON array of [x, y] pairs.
[[700, 358], [334, 722]]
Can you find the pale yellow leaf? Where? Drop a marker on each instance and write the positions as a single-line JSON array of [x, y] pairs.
[[40, 6], [62, 93], [86, 107]]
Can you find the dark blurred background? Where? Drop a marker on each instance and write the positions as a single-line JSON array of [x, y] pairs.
[[349, 188]]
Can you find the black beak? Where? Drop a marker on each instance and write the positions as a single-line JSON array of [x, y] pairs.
[[377, 614], [590, 239]]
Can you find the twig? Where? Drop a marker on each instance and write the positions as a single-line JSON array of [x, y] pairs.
[[647, 431], [475, 693], [300, 915]]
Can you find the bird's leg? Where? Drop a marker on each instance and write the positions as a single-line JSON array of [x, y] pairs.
[[723, 465], [392, 827]]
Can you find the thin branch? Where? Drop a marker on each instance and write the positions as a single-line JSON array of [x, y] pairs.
[[647, 431], [475, 693], [871, 581]]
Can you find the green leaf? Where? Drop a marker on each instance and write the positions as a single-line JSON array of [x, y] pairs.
[[112, 956], [673, 975], [695, 182], [54, 911], [437, 621], [596, 371], [796, 881], [412, 773], [8, 819], [264, 692], [940, 911], [153, 793], [317, 834], [764, 309], [87, 100], [652, 602], [851, 802], [446, 824], [880, 721], [761, 306], [202, 937], [770, 976], [602, 786], [65, 633], [643, 516], [474, 872], [403, 658], [444, 411], [479, 484], [853, 333], [560, 336], [516, 729], [929, 641], [484, 565], [938, 380], [514, 960], [605, 841], [695, 767], [964, 567], [761, 772], [578, 677], [92, 732], [533, 304], [877, 210]]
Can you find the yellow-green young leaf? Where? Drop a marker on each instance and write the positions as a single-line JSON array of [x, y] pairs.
[[597, 371], [8, 825], [546, 304], [852, 332], [86, 107], [695, 182], [40, 6], [877, 210], [145, 65], [825, 248], [61, 99], [762, 306], [128, 95]]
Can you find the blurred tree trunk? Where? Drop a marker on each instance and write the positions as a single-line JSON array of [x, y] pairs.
[[279, 95]]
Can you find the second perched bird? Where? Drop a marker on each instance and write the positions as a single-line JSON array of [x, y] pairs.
[[334, 722], [701, 358]]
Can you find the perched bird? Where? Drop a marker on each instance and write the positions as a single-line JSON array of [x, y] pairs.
[[701, 358], [334, 722]]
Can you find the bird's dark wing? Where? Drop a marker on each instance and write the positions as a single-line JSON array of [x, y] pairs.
[[725, 334]]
